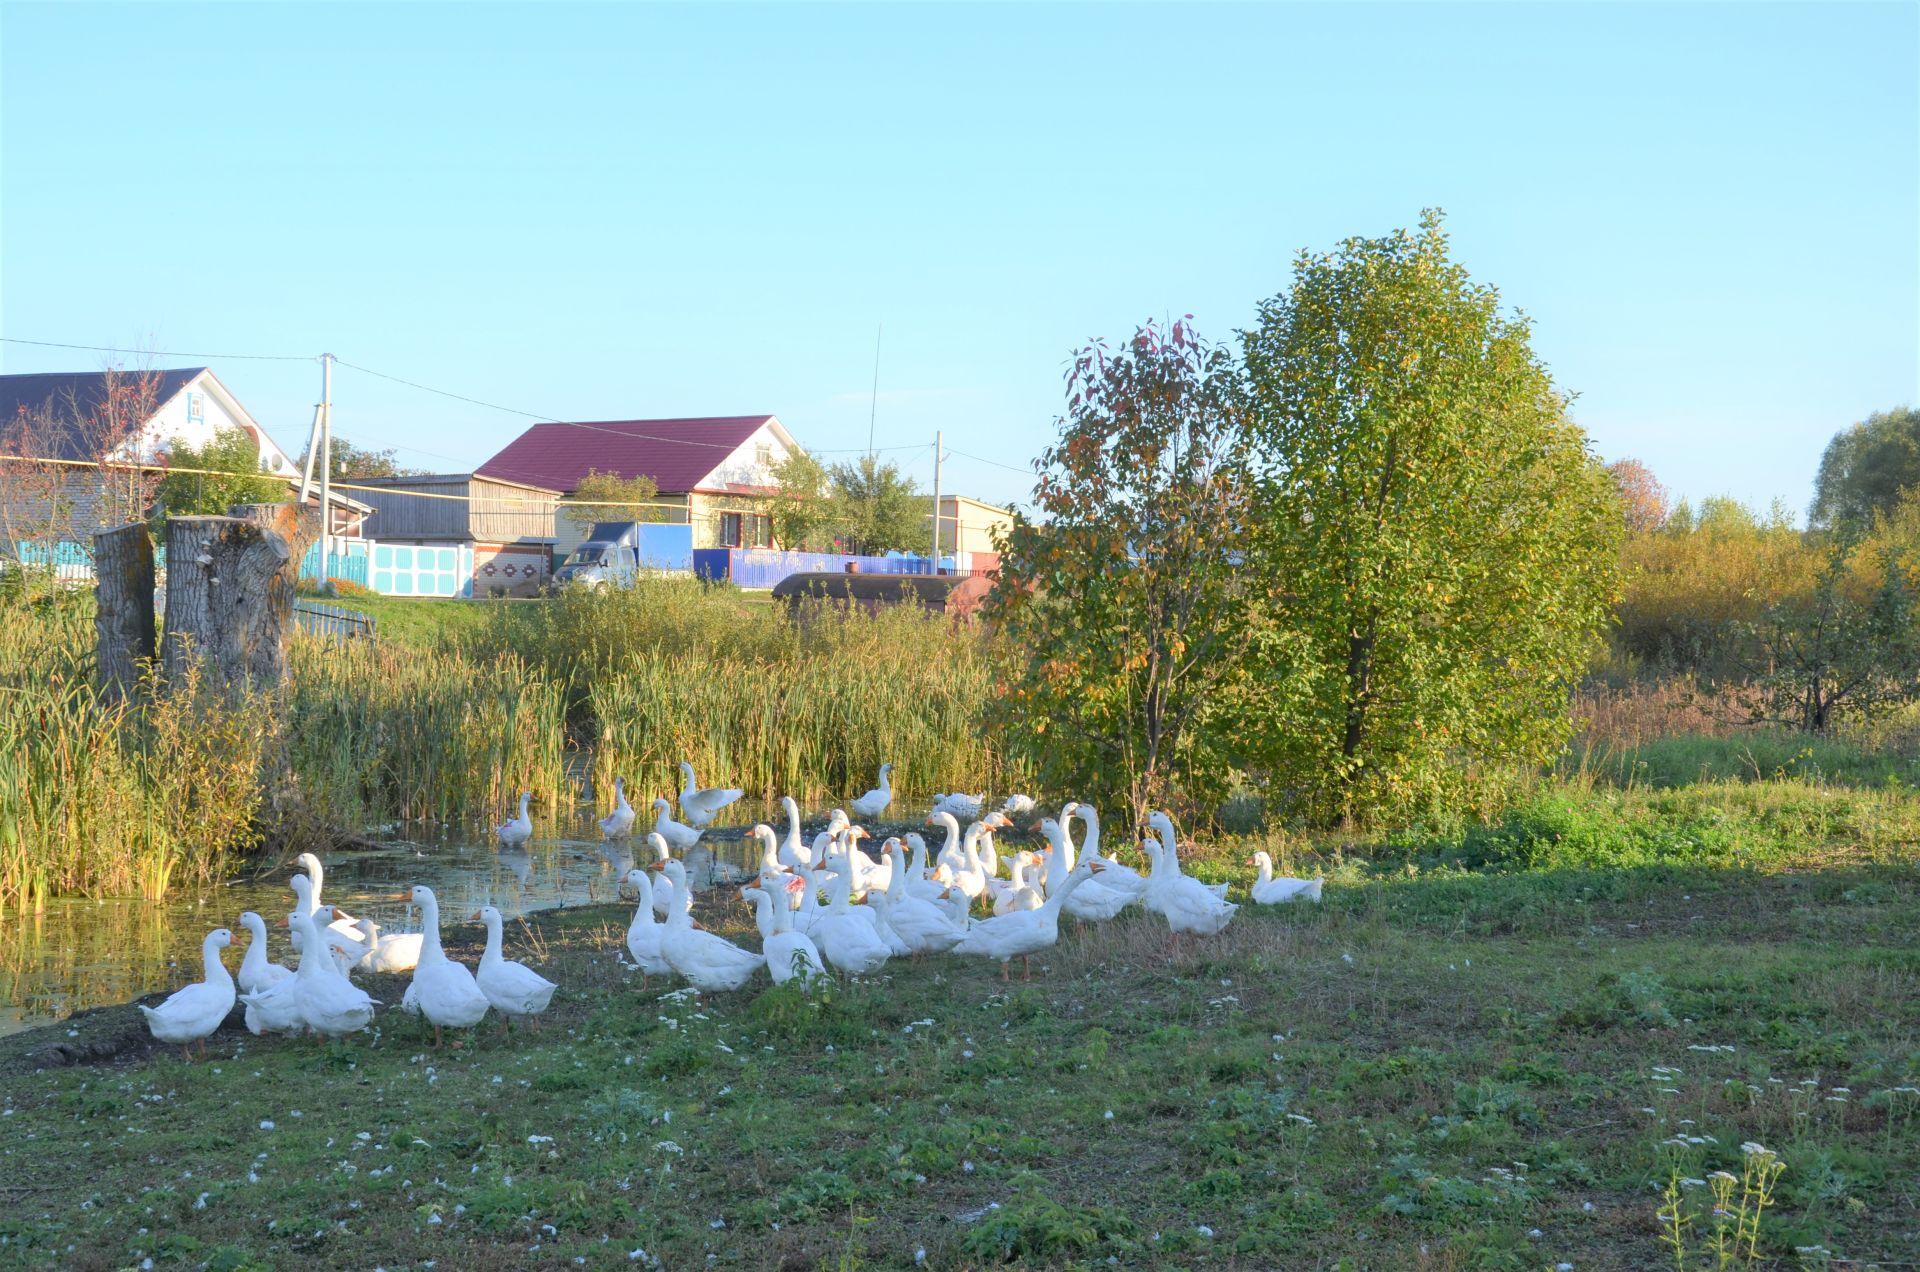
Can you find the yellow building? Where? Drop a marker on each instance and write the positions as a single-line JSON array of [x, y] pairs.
[[968, 525]]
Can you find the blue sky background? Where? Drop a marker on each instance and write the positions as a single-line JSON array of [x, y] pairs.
[[1711, 212]]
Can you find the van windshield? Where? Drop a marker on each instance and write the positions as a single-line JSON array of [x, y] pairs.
[[586, 554]]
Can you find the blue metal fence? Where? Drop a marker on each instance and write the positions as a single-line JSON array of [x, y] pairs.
[[763, 567]]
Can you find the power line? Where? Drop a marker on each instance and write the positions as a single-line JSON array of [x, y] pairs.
[[168, 353], [1025, 472]]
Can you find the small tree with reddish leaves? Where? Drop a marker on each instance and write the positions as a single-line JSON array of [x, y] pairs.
[[1643, 500], [1124, 608]]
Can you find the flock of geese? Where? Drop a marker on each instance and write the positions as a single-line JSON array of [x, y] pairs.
[[908, 901]]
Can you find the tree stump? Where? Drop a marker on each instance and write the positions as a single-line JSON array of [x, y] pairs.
[[221, 575], [299, 527], [123, 605]]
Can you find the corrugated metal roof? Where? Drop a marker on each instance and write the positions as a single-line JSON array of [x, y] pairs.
[[677, 454], [65, 394]]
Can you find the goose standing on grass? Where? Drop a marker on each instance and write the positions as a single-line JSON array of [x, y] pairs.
[[1019, 894], [1187, 904], [1024, 932], [848, 938], [663, 894], [442, 989], [1270, 889], [643, 934], [1093, 901], [276, 1008], [617, 823], [518, 831], [1162, 830], [188, 1015], [1115, 876], [920, 923], [769, 868], [918, 879], [949, 855], [676, 835], [516, 991], [388, 951], [788, 953], [875, 801], [316, 875], [699, 806], [256, 973], [330, 1004], [707, 962]]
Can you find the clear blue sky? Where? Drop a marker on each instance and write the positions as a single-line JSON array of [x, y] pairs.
[[1712, 212]]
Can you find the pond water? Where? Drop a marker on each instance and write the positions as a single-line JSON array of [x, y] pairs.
[[79, 954]]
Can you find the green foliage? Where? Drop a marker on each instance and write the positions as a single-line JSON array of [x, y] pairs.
[[1446, 546], [803, 512], [604, 496], [1867, 468], [351, 462], [1038, 1227], [230, 451], [879, 508], [1128, 612], [1843, 649]]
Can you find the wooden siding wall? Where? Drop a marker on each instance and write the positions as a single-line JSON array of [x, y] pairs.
[[505, 514]]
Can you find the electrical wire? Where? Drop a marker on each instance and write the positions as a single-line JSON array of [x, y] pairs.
[[979, 459], [168, 353]]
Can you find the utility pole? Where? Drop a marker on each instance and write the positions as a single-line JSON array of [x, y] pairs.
[[936, 502], [326, 468]]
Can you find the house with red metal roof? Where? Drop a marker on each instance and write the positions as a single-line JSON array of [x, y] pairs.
[[713, 473]]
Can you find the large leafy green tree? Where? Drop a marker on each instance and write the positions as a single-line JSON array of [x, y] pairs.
[[231, 460], [1126, 610], [1866, 468], [605, 496], [803, 512], [880, 508], [1447, 546]]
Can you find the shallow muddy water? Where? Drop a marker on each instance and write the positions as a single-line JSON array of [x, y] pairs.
[[79, 953]]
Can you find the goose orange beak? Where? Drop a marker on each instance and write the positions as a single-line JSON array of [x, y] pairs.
[[475, 918]]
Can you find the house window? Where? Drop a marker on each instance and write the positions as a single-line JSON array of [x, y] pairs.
[[730, 529]]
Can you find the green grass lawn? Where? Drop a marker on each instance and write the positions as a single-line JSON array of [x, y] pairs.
[[1440, 1067]]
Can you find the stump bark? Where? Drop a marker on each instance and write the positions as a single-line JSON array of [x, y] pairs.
[[123, 605], [299, 527], [221, 577]]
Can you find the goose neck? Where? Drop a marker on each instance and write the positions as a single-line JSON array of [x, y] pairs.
[[216, 969]]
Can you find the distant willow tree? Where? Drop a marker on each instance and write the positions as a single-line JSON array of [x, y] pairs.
[[1447, 546]]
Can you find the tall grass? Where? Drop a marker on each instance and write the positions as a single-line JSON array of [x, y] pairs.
[[98, 797], [377, 732], [810, 706]]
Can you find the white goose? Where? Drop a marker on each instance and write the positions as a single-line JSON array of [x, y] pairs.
[[1170, 845], [1269, 889], [1093, 901], [442, 989], [316, 875], [518, 831], [918, 882], [391, 952], [188, 1015], [1024, 932], [793, 853], [330, 1004], [1188, 905], [960, 805], [663, 894], [875, 801], [1116, 876], [847, 939], [788, 953], [700, 807], [256, 972], [1018, 805], [643, 934], [1019, 894], [949, 855], [677, 835], [275, 1008], [617, 823], [920, 923], [516, 991], [705, 961]]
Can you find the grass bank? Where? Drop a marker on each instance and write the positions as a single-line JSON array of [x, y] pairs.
[[1444, 1066]]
